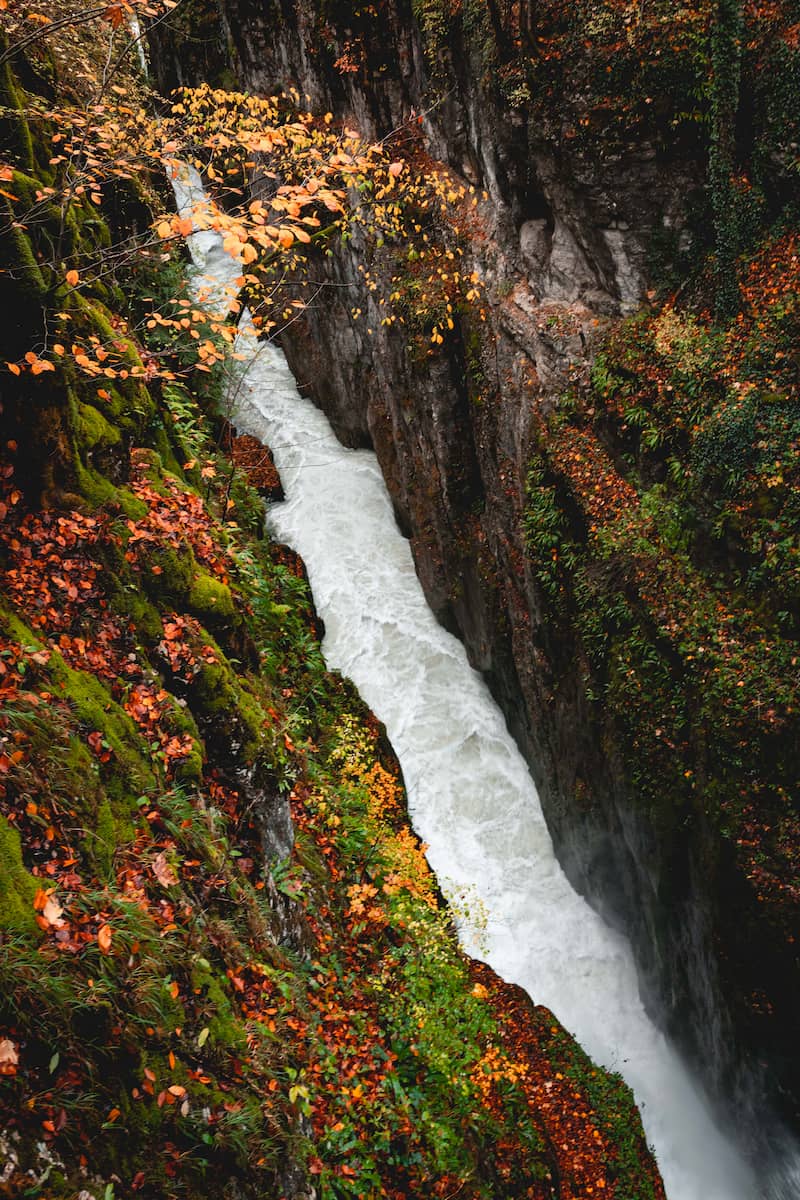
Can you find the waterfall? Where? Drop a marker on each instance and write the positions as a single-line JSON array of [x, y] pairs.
[[471, 797], [137, 37]]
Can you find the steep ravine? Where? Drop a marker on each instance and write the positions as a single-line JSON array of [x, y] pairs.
[[225, 966], [586, 197]]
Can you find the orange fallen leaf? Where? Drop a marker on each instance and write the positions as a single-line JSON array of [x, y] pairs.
[[104, 938]]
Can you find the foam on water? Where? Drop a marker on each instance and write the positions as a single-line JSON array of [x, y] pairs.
[[471, 796]]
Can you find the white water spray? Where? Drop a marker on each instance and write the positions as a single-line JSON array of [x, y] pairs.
[[471, 797]]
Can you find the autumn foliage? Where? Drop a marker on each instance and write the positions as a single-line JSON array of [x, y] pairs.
[[224, 961]]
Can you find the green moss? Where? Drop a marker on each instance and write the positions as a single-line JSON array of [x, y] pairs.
[[93, 429], [99, 492], [167, 573], [166, 452], [217, 694], [209, 597], [24, 187], [17, 886], [77, 776], [108, 834], [127, 773], [129, 602], [181, 721], [15, 135], [22, 287], [129, 405], [214, 687], [225, 1031], [17, 630]]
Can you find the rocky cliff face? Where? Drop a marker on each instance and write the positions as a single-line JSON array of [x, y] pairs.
[[585, 132]]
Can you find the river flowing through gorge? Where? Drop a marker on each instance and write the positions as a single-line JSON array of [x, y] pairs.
[[471, 797]]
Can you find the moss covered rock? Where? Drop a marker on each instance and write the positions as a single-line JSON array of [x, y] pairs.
[[17, 887]]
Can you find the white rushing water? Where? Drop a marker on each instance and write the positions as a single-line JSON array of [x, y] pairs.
[[471, 797]]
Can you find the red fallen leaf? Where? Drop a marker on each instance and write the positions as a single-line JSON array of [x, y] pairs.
[[137, 1181]]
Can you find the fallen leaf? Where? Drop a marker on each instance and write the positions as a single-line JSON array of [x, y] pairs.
[[9, 1057], [52, 913], [163, 871]]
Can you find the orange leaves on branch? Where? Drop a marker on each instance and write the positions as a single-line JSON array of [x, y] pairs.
[[295, 174]]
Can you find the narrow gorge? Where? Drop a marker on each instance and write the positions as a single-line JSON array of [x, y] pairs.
[[592, 504], [542, 260]]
